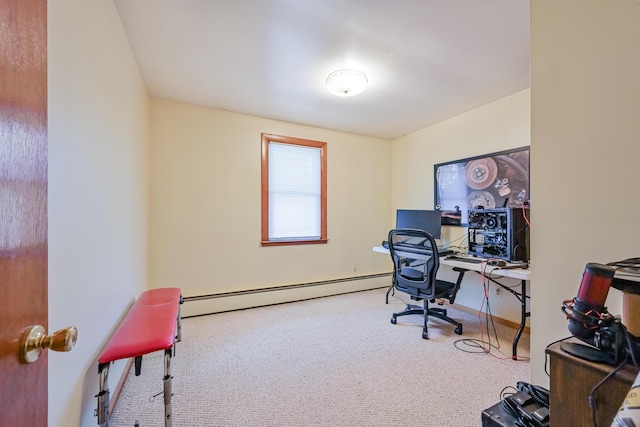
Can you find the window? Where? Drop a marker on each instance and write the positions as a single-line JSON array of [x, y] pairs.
[[294, 191]]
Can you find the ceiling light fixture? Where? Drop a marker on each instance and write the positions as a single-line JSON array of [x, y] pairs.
[[347, 82]]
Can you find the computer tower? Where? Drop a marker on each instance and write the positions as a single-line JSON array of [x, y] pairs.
[[499, 233]]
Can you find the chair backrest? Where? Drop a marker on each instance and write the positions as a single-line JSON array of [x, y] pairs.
[[415, 261]]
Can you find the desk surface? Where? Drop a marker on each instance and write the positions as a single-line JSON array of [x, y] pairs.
[[489, 270]]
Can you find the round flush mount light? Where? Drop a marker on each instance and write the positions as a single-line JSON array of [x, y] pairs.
[[347, 82]]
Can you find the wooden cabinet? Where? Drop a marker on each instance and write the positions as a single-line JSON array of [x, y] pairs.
[[572, 380]]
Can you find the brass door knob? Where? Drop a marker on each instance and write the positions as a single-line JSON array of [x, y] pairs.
[[34, 340]]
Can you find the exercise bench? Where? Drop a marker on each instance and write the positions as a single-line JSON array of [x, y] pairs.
[[153, 323]]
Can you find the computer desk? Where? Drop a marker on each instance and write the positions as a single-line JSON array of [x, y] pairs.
[[493, 274]]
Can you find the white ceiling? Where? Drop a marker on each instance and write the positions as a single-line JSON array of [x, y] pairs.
[[426, 60]]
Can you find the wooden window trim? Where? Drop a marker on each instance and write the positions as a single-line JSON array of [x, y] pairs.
[[266, 140]]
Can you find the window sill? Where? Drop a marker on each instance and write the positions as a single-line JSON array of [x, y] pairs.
[[293, 242]]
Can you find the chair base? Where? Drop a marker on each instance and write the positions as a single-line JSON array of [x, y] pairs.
[[440, 313]]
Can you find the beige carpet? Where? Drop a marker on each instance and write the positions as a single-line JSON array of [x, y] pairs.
[[335, 361]]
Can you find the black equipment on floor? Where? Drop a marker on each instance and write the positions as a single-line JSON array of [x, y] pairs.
[[528, 407]]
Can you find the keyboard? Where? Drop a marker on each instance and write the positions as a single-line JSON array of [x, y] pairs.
[[445, 252], [418, 249], [465, 259], [441, 252], [410, 247], [414, 241]]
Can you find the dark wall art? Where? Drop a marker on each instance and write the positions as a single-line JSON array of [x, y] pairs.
[[490, 181]]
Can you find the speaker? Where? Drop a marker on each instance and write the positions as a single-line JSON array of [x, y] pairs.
[[499, 233]]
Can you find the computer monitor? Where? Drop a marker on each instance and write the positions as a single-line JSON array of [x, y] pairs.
[[429, 221]]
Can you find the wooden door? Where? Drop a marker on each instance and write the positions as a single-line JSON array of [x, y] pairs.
[[23, 206]]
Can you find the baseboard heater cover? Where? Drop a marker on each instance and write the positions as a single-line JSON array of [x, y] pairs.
[[247, 295]]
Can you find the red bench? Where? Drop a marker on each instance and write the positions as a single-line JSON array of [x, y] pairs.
[[152, 324]]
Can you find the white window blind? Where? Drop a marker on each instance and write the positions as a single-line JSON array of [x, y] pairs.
[[294, 192]]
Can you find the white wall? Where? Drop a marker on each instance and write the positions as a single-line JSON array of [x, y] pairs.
[[585, 147], [205, 204], [98, 178], [500, 125], [205, 180]]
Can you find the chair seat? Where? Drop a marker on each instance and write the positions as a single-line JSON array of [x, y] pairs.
[[415, 274], [442, 290]]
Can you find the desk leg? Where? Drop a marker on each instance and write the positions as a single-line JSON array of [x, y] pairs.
[[523, 319], [522, 297], [392, 288]]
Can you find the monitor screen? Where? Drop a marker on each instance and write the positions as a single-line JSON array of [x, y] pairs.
[[429, 221]]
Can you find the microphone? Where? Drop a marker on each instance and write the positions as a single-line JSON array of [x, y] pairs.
[[589, 321], [587, 311]]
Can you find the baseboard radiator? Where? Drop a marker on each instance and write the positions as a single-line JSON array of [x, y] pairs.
[[240, 300]]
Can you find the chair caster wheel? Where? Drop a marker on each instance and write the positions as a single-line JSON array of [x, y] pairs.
[[394, 320], [425, 335], [458, 330]]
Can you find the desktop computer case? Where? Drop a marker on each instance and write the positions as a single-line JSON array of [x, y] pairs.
[[499, 233]]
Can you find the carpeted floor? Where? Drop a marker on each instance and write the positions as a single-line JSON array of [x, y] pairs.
[[335, 361]]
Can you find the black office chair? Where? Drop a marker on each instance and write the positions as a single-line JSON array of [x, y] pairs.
[[415, 264]]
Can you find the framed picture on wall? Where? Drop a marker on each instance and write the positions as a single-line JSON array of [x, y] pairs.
[[490, 181]]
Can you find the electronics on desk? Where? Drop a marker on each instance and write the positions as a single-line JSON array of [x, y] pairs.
[[414, 241], [453, 217], [499, 233], [442, 252], [465, 259], [429, 221], [445, 252]]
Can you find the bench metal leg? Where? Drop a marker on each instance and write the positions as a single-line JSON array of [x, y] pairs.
[[103, 396], [179, 322], [167, 388]]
